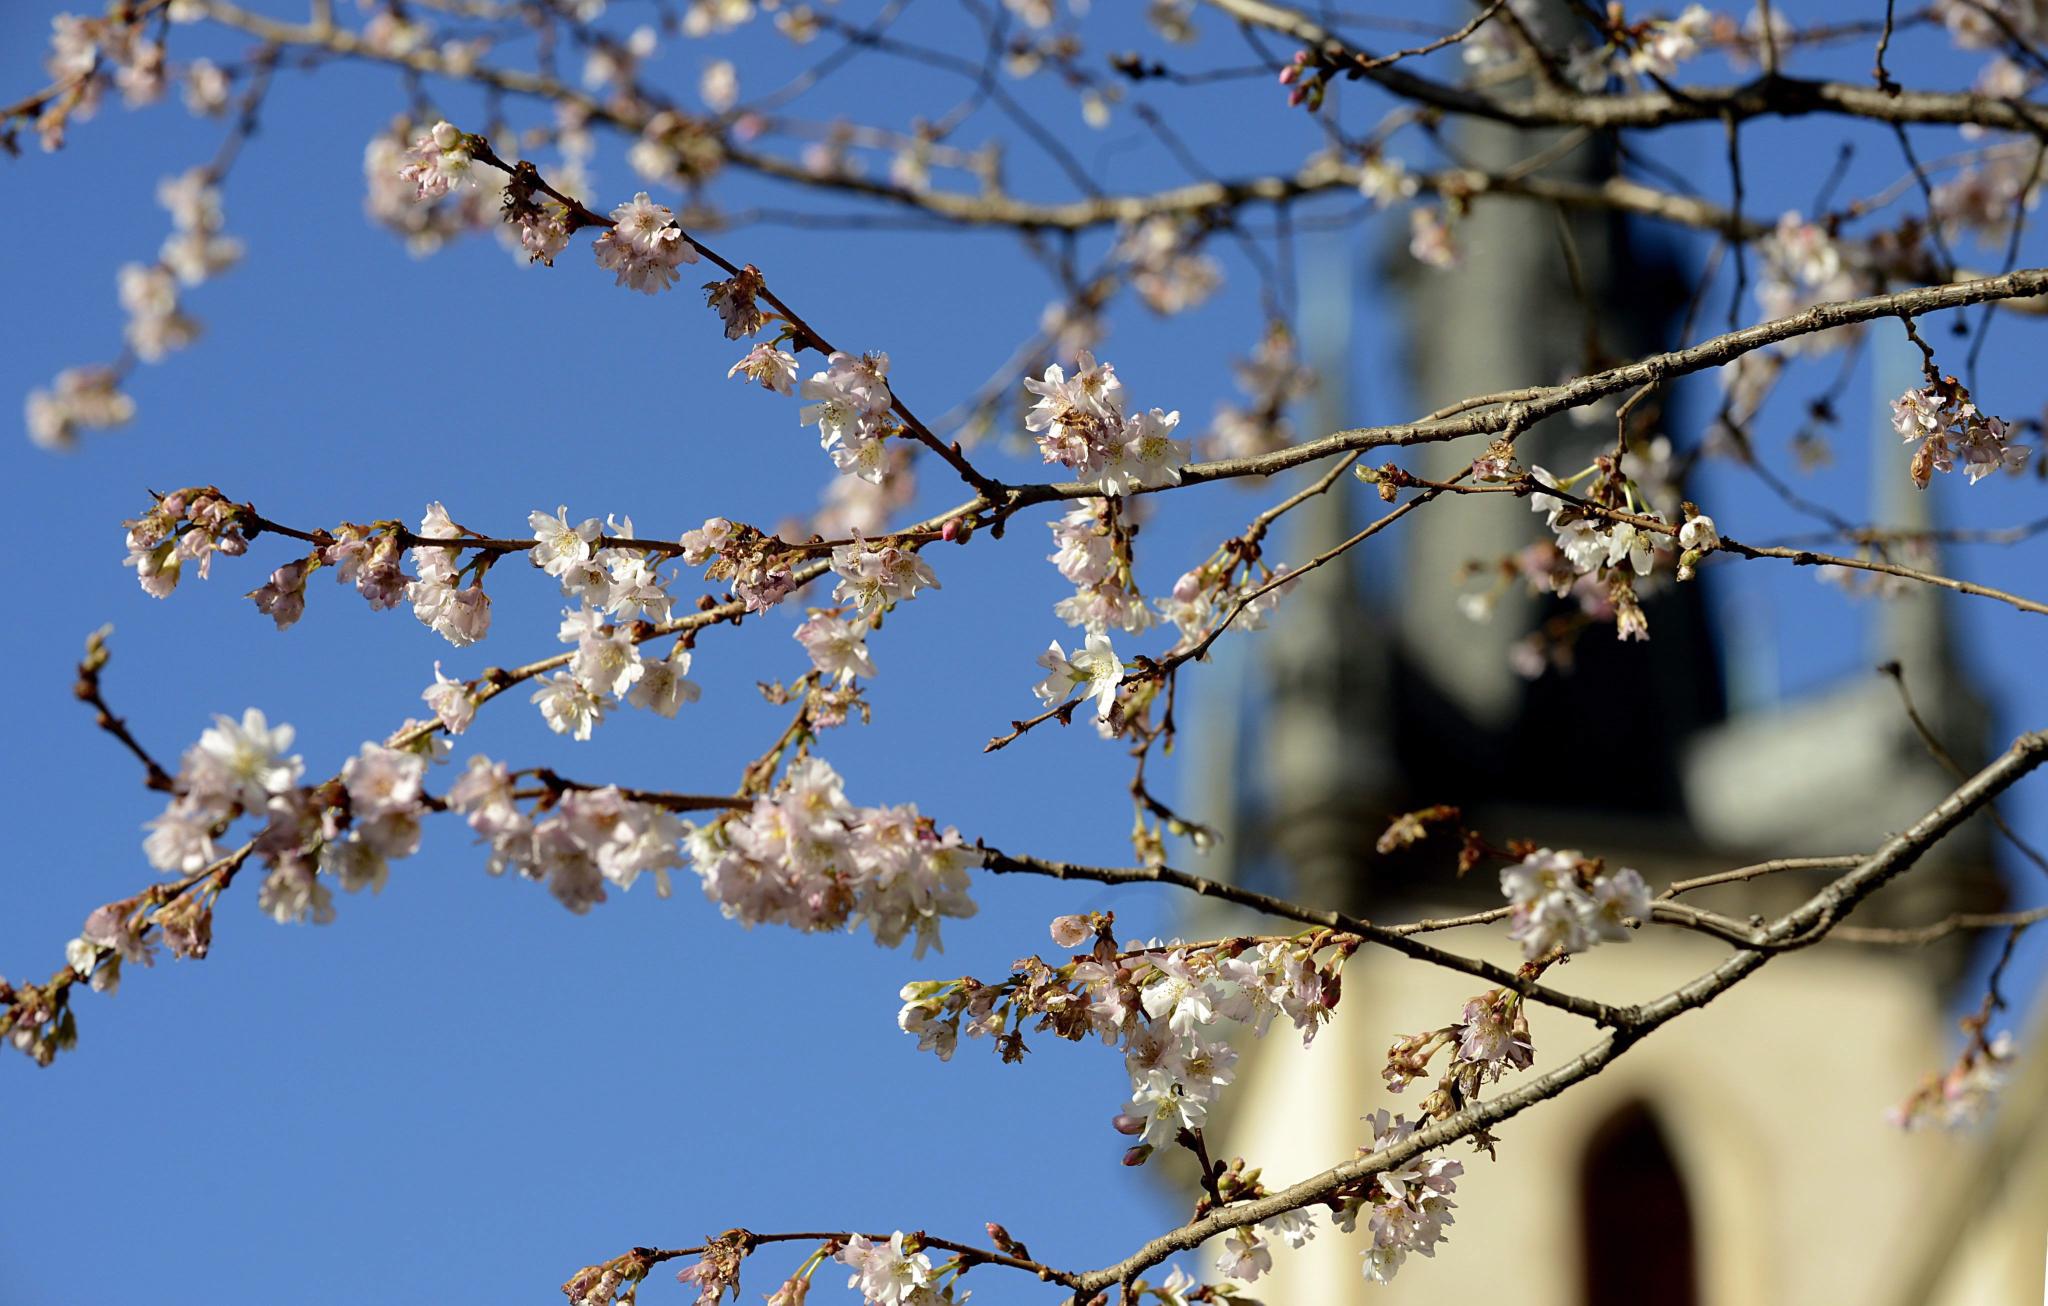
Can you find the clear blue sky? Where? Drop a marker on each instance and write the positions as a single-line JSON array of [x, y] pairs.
[[459, 1091]]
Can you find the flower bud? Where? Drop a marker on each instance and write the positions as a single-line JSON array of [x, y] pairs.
[[1070, 931]]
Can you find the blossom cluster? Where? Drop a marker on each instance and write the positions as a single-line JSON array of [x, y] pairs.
[[1804, 265], [644, 247], [1965, 1093], [607, 668], [1946, 428], [85, 54], [80, 399], [1989, 24], [1661, 44], [1169, 1006], [1597, 558], [1217, 589], [373, 560], [397, 163], [91, 398], [1167, 269], [1405, 1208], [576, 841], [1489, 1039], [1563, 902], [805, 857], [438, 162], [849, 403], [1080, 422], [347, 829], [194, 253], [1273, 380], [837, 647], [1093, 552], [183, 526], [892, 1273], [874, 577], [596, 568], [1093, 669], [760, 567], [1604, 565]]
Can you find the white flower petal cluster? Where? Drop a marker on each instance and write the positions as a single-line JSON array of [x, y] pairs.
[[472, 200], [1560, 903], [1429, 238], [1090, 555], [454, 706], [768, 367], [1665, 43], [621, 582], [1407, 1207], [1989, 24], [1080, 422], [874, 577], [1171, 1009], [81, 399], [1167, 269], [589, 838], [1803, 265], [837, 647], [1591, 543], [196, 251], [644, 246], [1966, 1094], [184, 526], [1949, 429], [849, 403], [438, 162], [1199, 600], [1094, 670], [807, 858], [309, 836], [760, 567], [607, 666], [1273, 380], [886, 1274], [460, 614]]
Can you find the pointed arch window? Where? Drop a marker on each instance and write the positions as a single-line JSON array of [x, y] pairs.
[[1636, 1226]]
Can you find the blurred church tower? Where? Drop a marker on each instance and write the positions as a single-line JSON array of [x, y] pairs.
[[1741, 1155]]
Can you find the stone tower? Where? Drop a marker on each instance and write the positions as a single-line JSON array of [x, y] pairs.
[[1739, 1156]]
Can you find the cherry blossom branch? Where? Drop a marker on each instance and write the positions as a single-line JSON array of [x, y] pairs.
[[1805, 923], [1955, 923], [1523, 487], [806, 336], [1940, 753], [1002, 863], [968, 1252], [1774, 867], [1808, 558], [632, 116], [1771, 96]]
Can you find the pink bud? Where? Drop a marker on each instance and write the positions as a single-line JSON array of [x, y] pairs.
[[1126, 1123], [1138, 1155], [1296, 96]]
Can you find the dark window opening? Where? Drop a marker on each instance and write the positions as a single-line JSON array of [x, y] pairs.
[[1635, 1223]]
